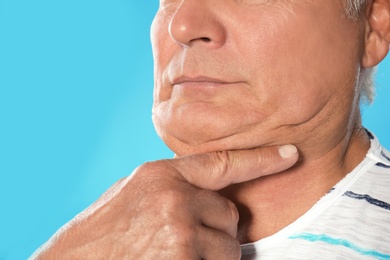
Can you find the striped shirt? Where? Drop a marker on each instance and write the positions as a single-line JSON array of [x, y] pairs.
[[352, 221]]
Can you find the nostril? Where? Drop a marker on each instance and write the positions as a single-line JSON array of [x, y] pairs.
[[205, 39], [202, 39]]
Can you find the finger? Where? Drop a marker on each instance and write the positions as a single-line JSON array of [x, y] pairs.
[[218, 213], [214, 244], [217, 170]]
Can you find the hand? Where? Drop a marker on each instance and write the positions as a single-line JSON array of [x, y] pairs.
[[168, 209]]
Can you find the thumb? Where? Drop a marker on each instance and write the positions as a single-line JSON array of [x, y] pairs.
[[217, 170]]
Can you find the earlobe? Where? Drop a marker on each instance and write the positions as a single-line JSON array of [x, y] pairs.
[[377, 38]]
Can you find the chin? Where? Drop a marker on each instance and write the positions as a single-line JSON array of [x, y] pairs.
[[183, 147], [187, 145], [196, 127]]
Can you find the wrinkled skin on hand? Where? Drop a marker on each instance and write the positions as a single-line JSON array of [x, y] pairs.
[[168, 209]]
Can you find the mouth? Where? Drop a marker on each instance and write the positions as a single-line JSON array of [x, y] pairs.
[[201, 81], [202, 89]]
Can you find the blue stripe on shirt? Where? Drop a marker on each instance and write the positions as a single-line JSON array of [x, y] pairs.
[[339, 242], [383, 165], [384, 155], [369, 199]]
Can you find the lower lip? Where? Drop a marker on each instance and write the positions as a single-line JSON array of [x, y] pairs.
[[204, 85], [201, 91]]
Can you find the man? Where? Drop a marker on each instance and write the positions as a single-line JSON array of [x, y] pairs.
[[260, 102]]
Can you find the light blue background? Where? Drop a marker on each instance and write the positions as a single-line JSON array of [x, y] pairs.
[[75, 101]]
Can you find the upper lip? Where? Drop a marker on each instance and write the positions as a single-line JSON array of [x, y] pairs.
[[183, 79]]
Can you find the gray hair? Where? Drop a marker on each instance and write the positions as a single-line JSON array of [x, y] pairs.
[[366, 76], [354, 8]]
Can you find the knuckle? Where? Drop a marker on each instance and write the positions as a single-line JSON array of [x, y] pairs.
[[179, 235], [233, 211], [156, 175], [149, 167], [161, 171], [224, 159], [171, 200], [157, 167], [220, 164], [174, 203]]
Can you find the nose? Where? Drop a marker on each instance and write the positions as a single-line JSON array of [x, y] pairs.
[[197, 22]]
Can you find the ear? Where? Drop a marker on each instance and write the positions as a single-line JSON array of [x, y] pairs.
[[377, 38]]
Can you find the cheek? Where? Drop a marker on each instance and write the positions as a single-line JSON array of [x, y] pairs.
[[307, 65], [163, 49]]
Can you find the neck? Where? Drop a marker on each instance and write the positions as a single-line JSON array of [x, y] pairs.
[[268, 204]]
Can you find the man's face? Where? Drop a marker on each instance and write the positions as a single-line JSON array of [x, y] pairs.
[[234, 74]]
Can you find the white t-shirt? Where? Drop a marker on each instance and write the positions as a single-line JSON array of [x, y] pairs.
[[352, 221]]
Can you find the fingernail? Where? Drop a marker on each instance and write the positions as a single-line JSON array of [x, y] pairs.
[[287, 151]]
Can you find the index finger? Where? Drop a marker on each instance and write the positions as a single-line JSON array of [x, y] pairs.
[[217, 170]]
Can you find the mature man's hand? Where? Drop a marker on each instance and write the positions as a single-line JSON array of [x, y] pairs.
[[168, 209]]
